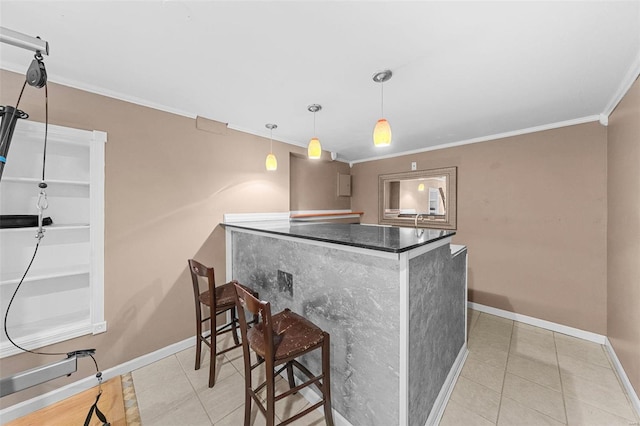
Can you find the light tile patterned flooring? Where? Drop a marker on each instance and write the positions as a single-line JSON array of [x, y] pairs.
[[515, 374], [170, 392]]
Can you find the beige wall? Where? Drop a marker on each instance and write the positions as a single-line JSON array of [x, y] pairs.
[[167, 187], [314, 184], [532, 209], [623, 236]]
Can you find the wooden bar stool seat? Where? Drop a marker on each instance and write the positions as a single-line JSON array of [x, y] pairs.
[[225, 296], [278, 340], [218, 300], [293, 335]]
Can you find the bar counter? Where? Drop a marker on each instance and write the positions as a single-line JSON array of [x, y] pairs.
[[393, 301], [383, 238]]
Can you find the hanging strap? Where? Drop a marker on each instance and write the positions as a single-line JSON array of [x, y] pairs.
[[99, 414]]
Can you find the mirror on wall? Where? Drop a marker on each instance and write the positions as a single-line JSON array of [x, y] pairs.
[[428, 195]]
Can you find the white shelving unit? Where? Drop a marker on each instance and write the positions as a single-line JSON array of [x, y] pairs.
[[62, 296]]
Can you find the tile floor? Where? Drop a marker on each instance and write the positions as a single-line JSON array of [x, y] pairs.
[[515, 374]]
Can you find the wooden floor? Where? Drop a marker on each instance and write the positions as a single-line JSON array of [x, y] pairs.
[[74, 410]]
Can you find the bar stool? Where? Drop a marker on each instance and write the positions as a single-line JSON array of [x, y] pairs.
[[277, 340], [219, 300]]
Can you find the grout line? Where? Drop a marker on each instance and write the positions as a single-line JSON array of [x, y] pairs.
[[469, 409], [472, 322], [174, 403], [182, 367], [524, 378], [241, 374], [564, 397], [504, 377]]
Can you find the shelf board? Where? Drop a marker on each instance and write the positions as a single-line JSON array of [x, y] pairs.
[[318, 217], [321, 215], [48, 228], [27, 180], [44, 274]]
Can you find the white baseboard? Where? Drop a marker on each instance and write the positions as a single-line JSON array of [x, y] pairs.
[[445, 392], [633, 396], [559, 328], [313, 397], [439, 404], [26, 407]]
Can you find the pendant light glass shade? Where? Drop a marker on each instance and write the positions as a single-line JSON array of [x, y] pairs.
[[314, 151], [382, 130], [271, 163], [382, 133]]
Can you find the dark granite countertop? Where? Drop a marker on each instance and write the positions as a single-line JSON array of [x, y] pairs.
[[383, 238]]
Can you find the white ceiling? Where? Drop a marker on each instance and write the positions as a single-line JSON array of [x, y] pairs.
[[462, 71]]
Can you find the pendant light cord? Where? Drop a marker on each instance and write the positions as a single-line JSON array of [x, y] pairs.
[[271, 141], [382, 100]]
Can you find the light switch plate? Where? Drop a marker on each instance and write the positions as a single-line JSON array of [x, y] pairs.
[[414, 165]]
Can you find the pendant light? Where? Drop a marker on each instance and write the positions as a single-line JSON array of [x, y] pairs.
[[271, 162], [382, 131], [314, 150]]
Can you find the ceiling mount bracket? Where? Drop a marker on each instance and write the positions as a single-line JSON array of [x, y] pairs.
[[382, 76], [24, 41]]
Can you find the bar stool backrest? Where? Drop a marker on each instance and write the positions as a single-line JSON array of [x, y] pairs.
[[197, 269], [261, 309]]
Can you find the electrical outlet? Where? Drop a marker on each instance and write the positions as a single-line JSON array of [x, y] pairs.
[[285, 282], [414, 165]]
